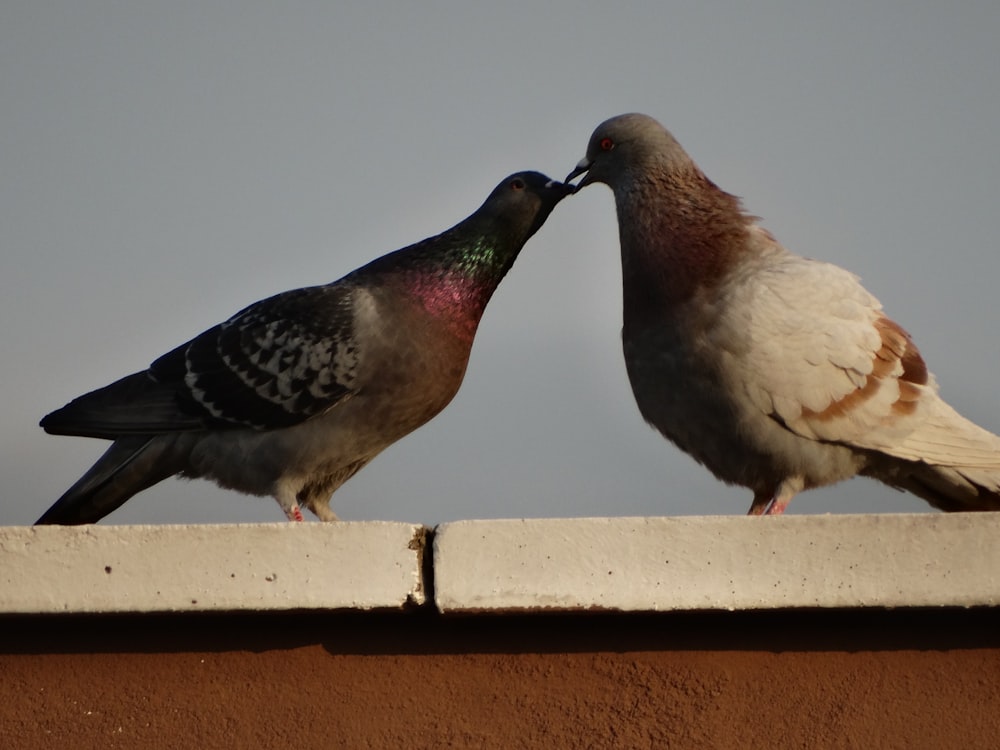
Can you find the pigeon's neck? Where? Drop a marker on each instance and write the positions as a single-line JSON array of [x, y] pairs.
[[680, 235], [455, 280]]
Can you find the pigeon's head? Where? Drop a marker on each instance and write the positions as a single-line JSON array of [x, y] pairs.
[[627, 145], [524, 200]]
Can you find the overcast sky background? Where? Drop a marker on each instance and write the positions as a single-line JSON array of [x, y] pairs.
[[164, 164]]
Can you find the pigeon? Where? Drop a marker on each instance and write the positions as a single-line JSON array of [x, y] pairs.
[[776, 372], [294, 394]]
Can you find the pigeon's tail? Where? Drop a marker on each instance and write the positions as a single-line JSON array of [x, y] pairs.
[[949, 488], [950, 462], [129, 466]]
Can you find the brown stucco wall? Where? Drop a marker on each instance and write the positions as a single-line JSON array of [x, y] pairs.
[[899, 679]]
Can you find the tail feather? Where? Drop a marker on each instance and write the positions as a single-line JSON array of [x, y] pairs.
[[129, 466], [948, 488], [947, 439]]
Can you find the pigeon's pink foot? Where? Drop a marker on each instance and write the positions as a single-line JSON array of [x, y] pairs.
[[774, 503], [777, 507], [768, 506]]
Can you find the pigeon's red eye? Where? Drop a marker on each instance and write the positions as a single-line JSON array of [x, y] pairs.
[[607, 144], [517, 184]]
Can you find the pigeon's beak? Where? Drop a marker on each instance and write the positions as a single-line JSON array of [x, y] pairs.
[[562, 189], [581, 167]]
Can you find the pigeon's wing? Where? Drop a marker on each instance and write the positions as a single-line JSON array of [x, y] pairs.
[[806, 344], [135, 405], [274, 364]]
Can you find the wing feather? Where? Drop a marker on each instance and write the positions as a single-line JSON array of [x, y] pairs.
[[274, 364], [824, 360]]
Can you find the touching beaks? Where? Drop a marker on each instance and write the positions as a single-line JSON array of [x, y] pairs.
[[582, 166], [564, 188]]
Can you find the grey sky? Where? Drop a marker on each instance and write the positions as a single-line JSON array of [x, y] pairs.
[[165, 164]]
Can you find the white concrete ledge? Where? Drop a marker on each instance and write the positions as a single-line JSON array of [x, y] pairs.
[[79, 569], [718, 563], [616, 564]]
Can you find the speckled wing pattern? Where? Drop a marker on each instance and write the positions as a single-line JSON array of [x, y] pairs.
[[274, 364]]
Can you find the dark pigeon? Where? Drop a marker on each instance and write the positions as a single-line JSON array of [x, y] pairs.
[[294, 394], [776, 372]]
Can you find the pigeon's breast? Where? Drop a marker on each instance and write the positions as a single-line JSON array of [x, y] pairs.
[[690, 378], [414, 359]]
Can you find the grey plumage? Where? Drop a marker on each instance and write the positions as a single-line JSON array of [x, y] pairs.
[[293, 395], [776, 372]]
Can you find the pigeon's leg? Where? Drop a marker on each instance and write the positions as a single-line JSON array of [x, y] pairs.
[[286, 497], [774, 503], [321, 508], [760, 502], [316, 495]]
